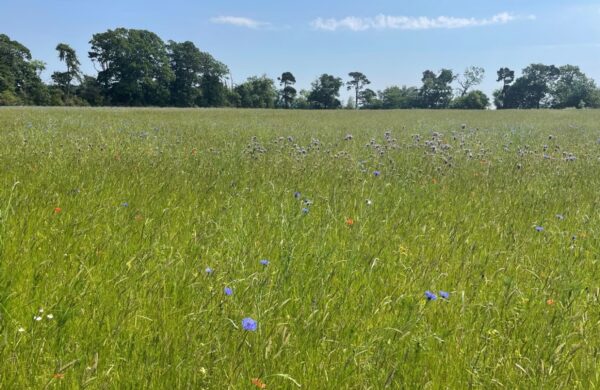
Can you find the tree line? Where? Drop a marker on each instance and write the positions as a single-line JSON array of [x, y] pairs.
[[137, 68]]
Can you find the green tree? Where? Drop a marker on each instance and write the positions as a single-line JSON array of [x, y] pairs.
[[257, 92], [573, 89], [325, 92], [134, 67], [20, 82], [288, 93], [474, 100], [198, 77], [63, 79], [357, 82], [471, 77], [507, 77], [436, 91], [400, 97], [368, 99]]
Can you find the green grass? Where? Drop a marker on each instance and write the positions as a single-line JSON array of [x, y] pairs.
[[339, 306]]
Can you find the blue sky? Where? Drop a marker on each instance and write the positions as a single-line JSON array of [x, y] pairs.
[[391, 41]]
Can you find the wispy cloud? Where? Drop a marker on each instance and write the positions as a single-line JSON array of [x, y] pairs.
[[239, 21], [383, 22]]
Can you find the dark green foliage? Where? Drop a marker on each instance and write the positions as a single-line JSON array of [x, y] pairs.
[[325, 92], [436, 91], [19, 81], [474, 100], [134, 66], [257, 92]]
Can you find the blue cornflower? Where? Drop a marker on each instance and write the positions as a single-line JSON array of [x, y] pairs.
[[228, 291], [305, 210], [264, 262], [208, 270], [539, 229], [249, 324], [430, 296], [376, 173], [297, 195], [444, 294], [125, 204]]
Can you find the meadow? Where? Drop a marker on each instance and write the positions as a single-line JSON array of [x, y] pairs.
[[404, 249]]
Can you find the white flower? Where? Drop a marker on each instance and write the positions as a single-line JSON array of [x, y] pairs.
[[21, 330], [369, 202], [37, 318], [50, 316], [41, 310]]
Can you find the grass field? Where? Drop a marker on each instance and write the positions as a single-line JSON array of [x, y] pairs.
[[121, 229]]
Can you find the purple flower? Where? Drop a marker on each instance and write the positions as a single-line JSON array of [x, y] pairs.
[[297, 195], [208, 270], [444, 294], [376, 173], [228, 291], [125, 204], [539, 229], [249, 324], [430, 296], [305, 210], [264, 262]]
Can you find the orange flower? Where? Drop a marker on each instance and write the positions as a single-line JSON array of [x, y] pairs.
[[258, 383], [433, 181], [194, 151], [57, 210], [550, 301], [58, 375], [349, 221]]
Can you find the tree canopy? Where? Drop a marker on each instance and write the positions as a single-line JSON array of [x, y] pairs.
[[137, 68]]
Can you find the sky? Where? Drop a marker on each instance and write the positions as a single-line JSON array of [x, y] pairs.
[[391, 41]]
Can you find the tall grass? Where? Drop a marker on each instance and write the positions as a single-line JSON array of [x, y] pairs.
[[110, 218]]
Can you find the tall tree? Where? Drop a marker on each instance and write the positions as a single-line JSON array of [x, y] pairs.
[[531, 90], [471, 77], [325, 92], [20, 82], [288, 93], [507, 77], [134, 67], [574, 89], [67, 55], [357, 82], [257, 92], [436, 91]]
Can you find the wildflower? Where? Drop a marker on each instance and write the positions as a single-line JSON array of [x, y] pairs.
[[249, 324], [430, 296], [376, 173], [21, 330], [228, 291], [57, 210], [349, 221], [37, 318], [58, 375], [50, 316], [208, 270], [297, 195], [307, 202], [369, 202], [560, 216], [550, 301], [264, 262], [125, 204], [444, 294], [305, 210], [258, 383], [539, 229]]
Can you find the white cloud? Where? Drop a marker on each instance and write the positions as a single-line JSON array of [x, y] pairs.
[[238, 21], [382, 22]]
